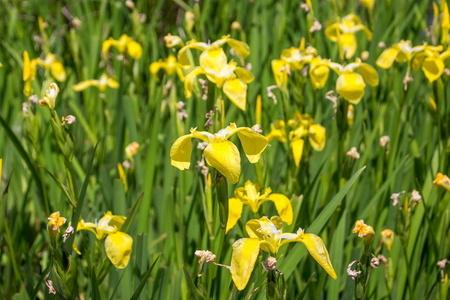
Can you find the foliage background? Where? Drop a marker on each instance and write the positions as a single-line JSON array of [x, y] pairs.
[[170, 219]]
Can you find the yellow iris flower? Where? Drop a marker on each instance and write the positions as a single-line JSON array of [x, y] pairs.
[[364, 231], [250, 196], [104, 82], [123, 44], [387, 236], [55, 222], [173, 40], [424, 55], [267, 235], [292, 59], [368, 4], [227, 76], [343, 33], [50, 63], [241, 48], [302, 126], [442, 181], [118, 245], [170, 65], [220, 153], [350, 85]]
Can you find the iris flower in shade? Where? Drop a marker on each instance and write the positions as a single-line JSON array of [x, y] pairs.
[[118, 245], [104, 82], [442, 181], [250, 196], [267, 235], [300, 126], [401, 52], [124, 44], [50, 63], [239, 47], [170, 65], [220, 153], [292, 59], [343, 33], [227, 76]]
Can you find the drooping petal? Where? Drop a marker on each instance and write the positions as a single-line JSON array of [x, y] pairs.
[[244, 74], [82, 85], [252, 142], [224, 156], [88, 226], [58, 71], [283, 206], [234, 212], [155, 67], [318, 251], [276, 220], [317, 136], [387, 58], [236, 91], [26, 66], [134, 49], [297, 150], [351, 87], [106, 45], [433, 68], [182, 55], [280, 71], [319, 73], [245, 253], [118, 247], [331, 32], [189, 81], [349, 44], [368, 73], [241, 48], [418, 60], [180, 152], [111, 220], [112, 83], [252, 227]]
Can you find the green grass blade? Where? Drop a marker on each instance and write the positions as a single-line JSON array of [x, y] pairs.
[[144, 280]]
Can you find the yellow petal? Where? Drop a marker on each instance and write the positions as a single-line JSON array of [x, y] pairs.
[[26, 66], [213, 61], [180, 153], [112, 83], [283, 206], [252, 227], [189, 81], [223, 156], [368, 4], [244, 75], [236, 91], [349, 44], [318, 74], [82, 85], [351, 87], [297, 150], [433, 68], [75, 248], [368, 73], [118, 247], [252, 142], [331, 33], [58, 72], [241, 48], [317, 136], [88, 226], [387, 58], [134, 49], [106, 45], [155, 67], [318, 251], [182, 56], [234, 212], [279, 69], [245, 253]]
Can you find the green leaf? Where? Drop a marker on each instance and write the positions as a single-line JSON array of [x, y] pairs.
[[127, 225], [195, 293], [95, 292], [144, 280], [62, 187], [296, 254], [77, 214]]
